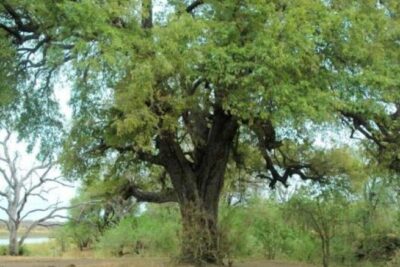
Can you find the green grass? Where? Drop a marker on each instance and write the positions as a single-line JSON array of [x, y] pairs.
[[47, 249]]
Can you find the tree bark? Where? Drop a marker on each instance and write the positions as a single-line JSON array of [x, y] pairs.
[[14, 223], [325, 252], [200, 236], [198, 186], [13, 246]]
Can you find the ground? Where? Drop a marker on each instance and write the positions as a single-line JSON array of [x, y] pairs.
[[124, 262]]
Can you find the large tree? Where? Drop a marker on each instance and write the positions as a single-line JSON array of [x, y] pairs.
[[167, 96]]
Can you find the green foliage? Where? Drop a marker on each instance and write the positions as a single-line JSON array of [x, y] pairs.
[[121, 239], [291, 63], [82, 235], [83, 227], [236, 226], [275, 236], [395, 260], [47, 249], [154, 232], [267, 228], [3, 250], [288, 62], [322, 212], [378, 247], [7, 81], [62, 239], [23, 251], [166, 238], [260, 229]]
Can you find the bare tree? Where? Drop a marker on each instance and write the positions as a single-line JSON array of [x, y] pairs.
[[20, 187]]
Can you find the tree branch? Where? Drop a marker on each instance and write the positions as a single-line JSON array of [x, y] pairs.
[[49, 216], [267, 144], [167, 195], [194, 5], [140, 154]]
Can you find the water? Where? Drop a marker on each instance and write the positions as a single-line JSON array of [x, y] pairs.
[[29, 240]]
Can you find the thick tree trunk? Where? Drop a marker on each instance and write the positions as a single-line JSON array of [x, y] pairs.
[[200, 236], [198, 184]]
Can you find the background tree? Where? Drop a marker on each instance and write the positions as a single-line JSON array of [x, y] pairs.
[[323, 213], [18, 189], [161, 102], [376, 117]]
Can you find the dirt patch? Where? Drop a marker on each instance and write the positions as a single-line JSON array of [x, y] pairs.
[[124, 262], [52, 262]]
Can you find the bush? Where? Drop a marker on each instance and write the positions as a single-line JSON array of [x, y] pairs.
[[3, 250], [159, 230], [259, 229], [302, 247], [120, 239], [155, 231], [23, 251], [236, 227], [80, 234], [62, 240], [378, 247], [278, 238], [395, 261]]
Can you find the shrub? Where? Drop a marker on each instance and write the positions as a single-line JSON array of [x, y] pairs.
[[23, 251], [378, 247], [395, 261], [3, 250], [120, 239], [159, 229], [237, 238], [155, 231]]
